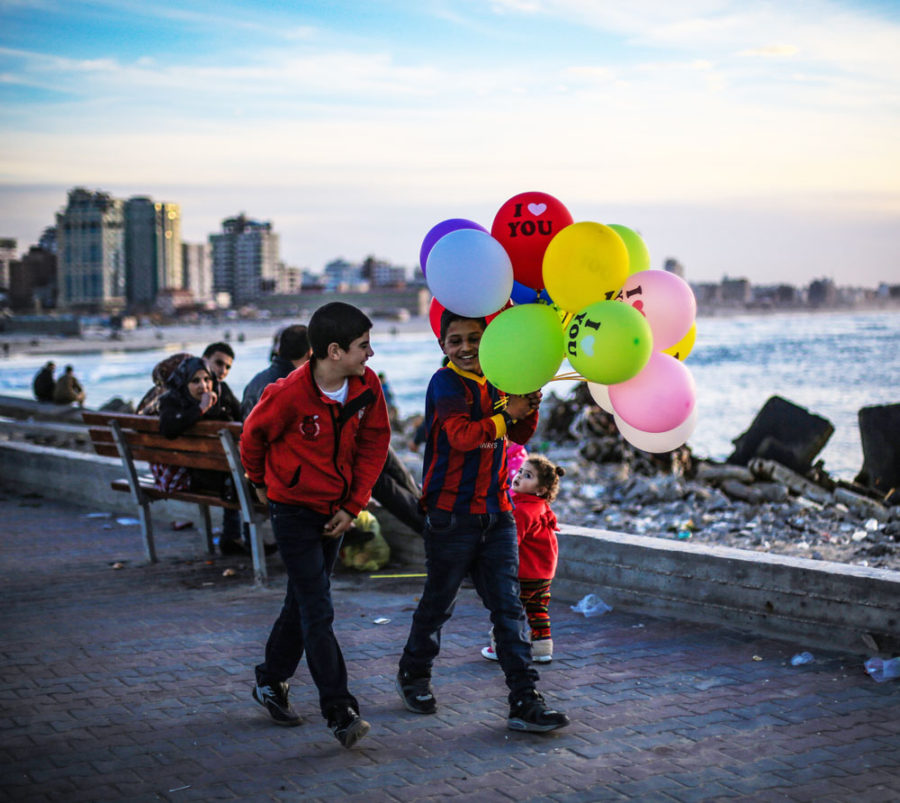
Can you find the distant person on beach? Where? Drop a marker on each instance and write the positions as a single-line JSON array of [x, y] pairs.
[[68, 389], [290, 350], [45, 382], [220, 357], [313, 447], [393, 413], [469, 526], [534, 487]]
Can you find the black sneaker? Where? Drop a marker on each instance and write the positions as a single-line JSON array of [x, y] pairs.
[[530, 713], [347, 726], [274, 698], [416, 694]]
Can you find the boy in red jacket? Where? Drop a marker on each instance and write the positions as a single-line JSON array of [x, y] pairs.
[[313, 447]]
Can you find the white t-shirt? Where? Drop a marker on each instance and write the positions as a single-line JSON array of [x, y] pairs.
[[339, 395]]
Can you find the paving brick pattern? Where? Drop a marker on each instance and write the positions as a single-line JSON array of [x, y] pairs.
[[134, 684]]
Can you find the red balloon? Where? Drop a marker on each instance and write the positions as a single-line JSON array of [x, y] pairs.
[[524, 226]]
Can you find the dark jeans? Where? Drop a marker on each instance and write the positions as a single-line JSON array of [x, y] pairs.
[[485, 547], [305, 621]]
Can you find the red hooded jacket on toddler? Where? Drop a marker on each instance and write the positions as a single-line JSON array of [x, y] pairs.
[[312, 451], [536, 527]]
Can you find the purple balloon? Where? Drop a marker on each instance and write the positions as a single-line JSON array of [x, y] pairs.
[[439, 230]]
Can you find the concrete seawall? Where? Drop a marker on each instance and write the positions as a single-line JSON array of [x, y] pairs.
[[814, 603]]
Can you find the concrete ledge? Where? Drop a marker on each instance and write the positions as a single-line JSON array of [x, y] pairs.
[[814, 603]]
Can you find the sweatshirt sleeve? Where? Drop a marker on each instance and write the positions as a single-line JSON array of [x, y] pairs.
[[372, 441], [265, 424]]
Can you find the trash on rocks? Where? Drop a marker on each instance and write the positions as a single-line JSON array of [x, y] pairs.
[[802, 658], [118, 565], [127, 522], [182, 525], [757, 658], [591, 605], [881, 670], [381, 620], [98, 515], [229, 573]]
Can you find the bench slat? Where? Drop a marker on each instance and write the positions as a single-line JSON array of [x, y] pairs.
[[149, 423]]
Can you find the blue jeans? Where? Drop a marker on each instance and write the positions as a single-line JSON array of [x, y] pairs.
[[305, 621], [485, 547]]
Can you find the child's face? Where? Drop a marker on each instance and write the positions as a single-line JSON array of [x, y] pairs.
[[460, 344], [200, 383], [353, 360], [526, 481]]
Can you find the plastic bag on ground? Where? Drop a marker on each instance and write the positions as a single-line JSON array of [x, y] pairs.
[[592, 605], [881, 670]]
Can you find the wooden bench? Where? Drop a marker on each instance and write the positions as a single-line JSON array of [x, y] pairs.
[[206, 445]]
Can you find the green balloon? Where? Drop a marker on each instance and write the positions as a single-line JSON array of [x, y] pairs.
[[522, 348], [638, 255], [609, 342]]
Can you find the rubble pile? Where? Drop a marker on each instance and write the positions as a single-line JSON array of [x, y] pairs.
[[763, 506]]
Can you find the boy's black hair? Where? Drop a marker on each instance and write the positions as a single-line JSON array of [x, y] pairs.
[[448, 317], [293, 342], [336, 322], [212, 348]]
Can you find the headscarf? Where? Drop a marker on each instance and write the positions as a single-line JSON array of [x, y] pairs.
[[182, 375]]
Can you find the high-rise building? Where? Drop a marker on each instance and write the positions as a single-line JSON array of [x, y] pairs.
[[244, 259], [90, 235], [32, 280], [153, 259], [7, 255], [197, 265]]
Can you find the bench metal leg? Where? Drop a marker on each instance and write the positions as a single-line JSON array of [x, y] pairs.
[[207, 529], [260, 575], [147, 531]]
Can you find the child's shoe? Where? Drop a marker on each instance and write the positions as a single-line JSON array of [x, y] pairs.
[[490, 652], [542, 651]]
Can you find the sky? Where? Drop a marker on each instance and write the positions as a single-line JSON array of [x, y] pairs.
[[742, 138]]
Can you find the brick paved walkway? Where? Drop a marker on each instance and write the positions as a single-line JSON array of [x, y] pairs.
[[133, 684]]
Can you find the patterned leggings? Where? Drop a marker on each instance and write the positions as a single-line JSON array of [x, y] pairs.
[[535, 596]]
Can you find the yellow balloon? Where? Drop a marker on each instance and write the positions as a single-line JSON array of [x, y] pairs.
[[584, 263], [684, 346]]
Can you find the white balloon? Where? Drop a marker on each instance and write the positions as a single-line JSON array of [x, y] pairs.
[[658, 442], [600, 394], [470, 273]]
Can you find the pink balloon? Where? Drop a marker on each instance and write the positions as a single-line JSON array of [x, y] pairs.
[[658, 442], [659, 398], [665, 300]]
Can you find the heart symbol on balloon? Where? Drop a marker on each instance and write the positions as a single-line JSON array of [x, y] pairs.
[[587, 345], [537, 209], [639, 306]]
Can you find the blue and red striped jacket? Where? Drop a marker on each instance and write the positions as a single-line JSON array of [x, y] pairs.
[[465, 448]]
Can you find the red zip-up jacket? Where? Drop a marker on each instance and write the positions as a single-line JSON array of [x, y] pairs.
[[312, 451], [536, 528]]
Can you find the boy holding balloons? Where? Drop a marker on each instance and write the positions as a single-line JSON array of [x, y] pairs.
[[470, 529]]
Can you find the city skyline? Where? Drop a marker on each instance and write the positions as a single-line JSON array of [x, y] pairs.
[[740, 139]]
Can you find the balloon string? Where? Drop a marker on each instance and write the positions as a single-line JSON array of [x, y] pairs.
[[571, 377]]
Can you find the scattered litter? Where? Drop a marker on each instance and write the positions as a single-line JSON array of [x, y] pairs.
[[180, 788], [118, 565], [97, 515], [859, 535], [683, 535], [126, 522], [881, 670], [592, 605], [871, 525], [757, 657], [182, 525], [381, 620], [229, 572], [802, 658]]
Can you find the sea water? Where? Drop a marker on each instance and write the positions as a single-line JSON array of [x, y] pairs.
[[832, 363]]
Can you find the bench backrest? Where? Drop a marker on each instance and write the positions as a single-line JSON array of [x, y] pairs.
[[198, 447]]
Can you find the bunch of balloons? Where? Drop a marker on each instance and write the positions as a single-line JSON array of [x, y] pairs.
[[553, 289]]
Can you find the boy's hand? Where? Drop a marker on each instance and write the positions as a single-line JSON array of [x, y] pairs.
[[518, 406], [535, 399], [338, 524], [262, 496]]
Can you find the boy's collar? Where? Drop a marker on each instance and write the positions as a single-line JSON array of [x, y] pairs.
[[467, 374]]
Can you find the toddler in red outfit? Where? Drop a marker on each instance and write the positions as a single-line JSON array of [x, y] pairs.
[[534, 487]]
